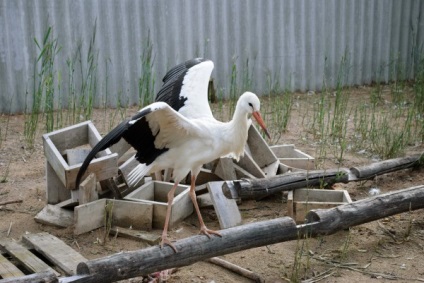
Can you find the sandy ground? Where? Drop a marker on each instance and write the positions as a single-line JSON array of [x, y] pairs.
[[380, 251]]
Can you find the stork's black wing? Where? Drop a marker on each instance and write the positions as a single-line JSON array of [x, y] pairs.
[[136, 132], [185, 88]]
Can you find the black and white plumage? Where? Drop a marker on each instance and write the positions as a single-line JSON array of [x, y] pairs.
[[179, 131]]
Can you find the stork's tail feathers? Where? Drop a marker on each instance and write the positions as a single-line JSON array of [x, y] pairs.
[[138, 173]]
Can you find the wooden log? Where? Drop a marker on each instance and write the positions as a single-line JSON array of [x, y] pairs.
[[41, 277], [259, 188], [190, 250], [386, 166], [193, 249], [366, 210]]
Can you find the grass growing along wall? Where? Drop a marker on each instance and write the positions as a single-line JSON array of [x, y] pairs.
[[45, 83], [82, 81], [146, 82], [332, 122]]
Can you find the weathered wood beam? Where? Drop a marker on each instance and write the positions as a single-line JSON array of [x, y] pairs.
[[42, 277], [193, 249], [259, 188], [366, 210], [387, 166], [190, 250]]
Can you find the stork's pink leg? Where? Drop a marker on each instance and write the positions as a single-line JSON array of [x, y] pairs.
[[203, 228], [168, 215]]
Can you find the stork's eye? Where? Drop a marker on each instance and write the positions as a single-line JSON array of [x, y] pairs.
[[250, 104]]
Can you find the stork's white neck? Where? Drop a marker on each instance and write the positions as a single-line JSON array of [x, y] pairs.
[[239, 127]]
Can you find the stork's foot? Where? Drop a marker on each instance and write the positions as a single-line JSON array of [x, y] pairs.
[[166, 241], [208, 232]]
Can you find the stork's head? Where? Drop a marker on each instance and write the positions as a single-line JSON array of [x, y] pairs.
[[250, 103]]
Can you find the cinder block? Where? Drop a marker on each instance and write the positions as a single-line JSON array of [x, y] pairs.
[[301, 201], [156, 193], [85, 134]]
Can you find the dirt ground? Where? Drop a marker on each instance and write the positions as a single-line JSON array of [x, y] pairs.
[[380, 251]]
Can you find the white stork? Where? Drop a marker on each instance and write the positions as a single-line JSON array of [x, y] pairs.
[[179, 131]]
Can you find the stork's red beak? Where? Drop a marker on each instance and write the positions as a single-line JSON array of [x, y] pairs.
[[261, 122]]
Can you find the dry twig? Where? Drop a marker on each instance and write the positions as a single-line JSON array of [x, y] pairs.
[[10, 228], [237, 269], [11, 201]]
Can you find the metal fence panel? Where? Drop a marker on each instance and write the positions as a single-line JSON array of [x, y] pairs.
[[273, 45]]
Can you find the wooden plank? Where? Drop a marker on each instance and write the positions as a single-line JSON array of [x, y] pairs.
[[55, 143], [246, 162], [301, 201], [88, 189], [290, 207], [201, 189], [89, 216], [59, 142], [206, 176], [55, 159], [56, 191], [56, 216], [120, 147], [283, 150], [69, 137], [241, 173], [156, 193], [204, 201], [293, 157], [225, 169], [271, 169], [147, 237], [226, 209], [259, 148], [25, 257], [69, 203], [56, 251], [104, 167], [300, 163], [137, 215], [76, 155], [8, 269]]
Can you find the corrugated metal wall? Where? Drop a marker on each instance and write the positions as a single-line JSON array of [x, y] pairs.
[[295, 44]]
